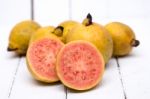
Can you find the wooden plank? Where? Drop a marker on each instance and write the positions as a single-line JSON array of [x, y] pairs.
[[8, 65], [97, 8], [109, 88], [135, 67], [27, 87], [128, 8], [10, 15], [13, 12], [49, 12], [24, 81]]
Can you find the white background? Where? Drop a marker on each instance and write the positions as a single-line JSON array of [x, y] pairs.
[[125, 78]]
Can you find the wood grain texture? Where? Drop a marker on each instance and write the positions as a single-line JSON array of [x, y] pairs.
[[135, 68], [27, 87], [109, 88], [11, 12]]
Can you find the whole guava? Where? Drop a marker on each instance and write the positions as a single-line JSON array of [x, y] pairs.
[[94, 33], [123, 38], [20, 36]]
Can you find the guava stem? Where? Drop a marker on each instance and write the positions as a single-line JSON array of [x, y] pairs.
[[11, 49], [58, 31], [135, 43], [88, 20], [89, 16]]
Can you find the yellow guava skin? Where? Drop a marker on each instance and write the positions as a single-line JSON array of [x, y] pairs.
[[123, 38], [67, 26], [42, 32], [96, 34], [20, 35]]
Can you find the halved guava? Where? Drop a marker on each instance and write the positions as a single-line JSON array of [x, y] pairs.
[[80, 65], [41, 58]]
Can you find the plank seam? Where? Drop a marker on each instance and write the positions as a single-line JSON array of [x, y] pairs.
[[32, 9], [70, 18], [66, 97], [14, 78], [121, 80]]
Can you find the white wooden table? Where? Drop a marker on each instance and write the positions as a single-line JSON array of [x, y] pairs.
[[124, 78]]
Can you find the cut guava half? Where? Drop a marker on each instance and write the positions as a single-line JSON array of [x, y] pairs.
[[41, 59], [80, 65]]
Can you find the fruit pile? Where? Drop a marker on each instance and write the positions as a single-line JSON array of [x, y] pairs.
[[74, 53]]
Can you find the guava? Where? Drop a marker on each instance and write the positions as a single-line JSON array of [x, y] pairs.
[[63, 28], [80, 66], [123, 38], [20, 35], [94, 33], [41, 56], [42, 32]]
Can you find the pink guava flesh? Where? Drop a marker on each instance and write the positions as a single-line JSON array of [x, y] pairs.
[[42, 56], [80, 65]]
